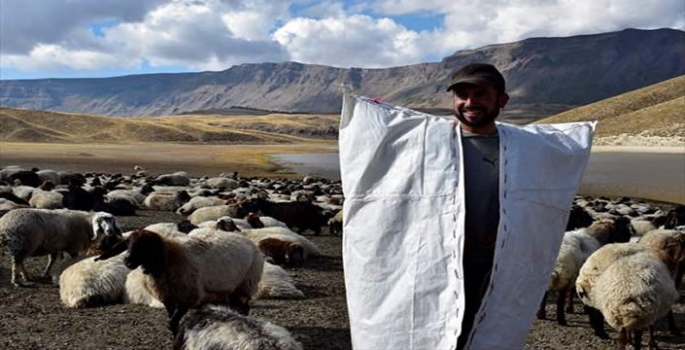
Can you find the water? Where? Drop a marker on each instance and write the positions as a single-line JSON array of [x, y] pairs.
[[326, 165], [654, 176]]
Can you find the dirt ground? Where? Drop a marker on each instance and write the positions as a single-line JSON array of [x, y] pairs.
[[33, 318]]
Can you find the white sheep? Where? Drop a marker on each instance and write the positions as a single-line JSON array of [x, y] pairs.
[[213, 213], [46, 199], [633, 293], [576, 247], [184, 273], [163, 201], [135, 291], [277, 284], [218, 327], [38, 232], [23, 192], [196, 203], [49, 175], [88, 283]]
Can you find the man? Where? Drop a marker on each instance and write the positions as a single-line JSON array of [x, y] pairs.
[[452, 229], [479, 94]]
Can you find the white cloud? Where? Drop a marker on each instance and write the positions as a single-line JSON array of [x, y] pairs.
[[215, 34], [354, 41]]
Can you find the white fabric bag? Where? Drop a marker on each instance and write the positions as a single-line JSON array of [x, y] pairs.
[[404, 225]]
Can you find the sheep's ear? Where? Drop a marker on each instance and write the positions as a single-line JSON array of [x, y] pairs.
[[116, 249]]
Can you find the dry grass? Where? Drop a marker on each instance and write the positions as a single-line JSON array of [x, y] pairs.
[[43, 126], [656, 110]]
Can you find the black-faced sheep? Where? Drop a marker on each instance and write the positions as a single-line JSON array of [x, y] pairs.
[[38, 232], [184, 273], [218, 327]]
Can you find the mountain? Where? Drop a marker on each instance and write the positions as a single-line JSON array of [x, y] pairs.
[[544, 76]]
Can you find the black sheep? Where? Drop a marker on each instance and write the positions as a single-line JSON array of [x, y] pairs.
[[300, 215]]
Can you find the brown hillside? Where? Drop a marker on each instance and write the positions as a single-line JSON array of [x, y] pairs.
[[654, 110], [42, 126]]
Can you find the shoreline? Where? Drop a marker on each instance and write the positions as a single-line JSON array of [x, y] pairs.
[[640, 149]]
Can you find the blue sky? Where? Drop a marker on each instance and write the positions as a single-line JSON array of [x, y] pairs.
[[103, 38]]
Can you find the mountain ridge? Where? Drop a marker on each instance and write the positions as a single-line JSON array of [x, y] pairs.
[[544, 76]]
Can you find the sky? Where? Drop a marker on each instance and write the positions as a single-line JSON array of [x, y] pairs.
[[105, 38]]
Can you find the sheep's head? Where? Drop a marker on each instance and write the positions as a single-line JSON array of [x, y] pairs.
[[675, 247], [294, 254], [226, 224], [578, 218], [144, 248], [253, 220], [622, 231], [185, 226], [105, 224], [675, 217]]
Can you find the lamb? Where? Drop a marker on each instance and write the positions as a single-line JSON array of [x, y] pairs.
[[37, 232], [184, 273], [218, 327]]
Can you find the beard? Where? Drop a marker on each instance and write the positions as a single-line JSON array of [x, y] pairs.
[[485, 119]]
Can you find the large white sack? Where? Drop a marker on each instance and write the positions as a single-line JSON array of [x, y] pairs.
[[404, 225]]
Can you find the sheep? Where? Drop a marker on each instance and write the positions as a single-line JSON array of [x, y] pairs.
[[578, 218], [179, 178], [24, 192], [277, 284], [283, 234], [77, 198], [222, 183], [199, 202], [169, 229], [10, 196], [218, 327], [48, 175], [633, 293], [302, 215], [670, 252], [166, 201], [88, 283], [135, 291], [26, 177], [215, 212], [37, 232], [45, 198], [335, 224], [281, 252], [6, 204], [186, 273], [576, 247], [116, 206], [138, 195]]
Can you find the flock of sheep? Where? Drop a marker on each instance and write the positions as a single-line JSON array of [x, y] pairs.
[[203, 269], [236, 237]]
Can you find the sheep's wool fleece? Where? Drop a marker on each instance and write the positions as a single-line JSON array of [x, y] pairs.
[[404, 225]]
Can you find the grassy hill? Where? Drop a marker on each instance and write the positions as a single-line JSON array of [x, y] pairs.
[[42, 126], [656, 110]]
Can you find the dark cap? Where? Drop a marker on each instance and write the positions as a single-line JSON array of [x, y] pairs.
[[478, 74]]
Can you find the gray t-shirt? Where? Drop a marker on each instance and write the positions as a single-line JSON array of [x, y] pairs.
[[481, 176]]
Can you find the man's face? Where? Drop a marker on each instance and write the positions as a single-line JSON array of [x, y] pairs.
[[477, 105]]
